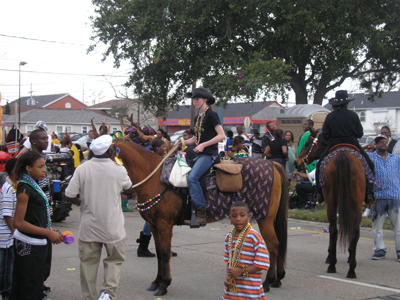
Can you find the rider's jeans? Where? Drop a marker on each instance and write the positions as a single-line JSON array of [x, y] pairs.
[[202, 163]]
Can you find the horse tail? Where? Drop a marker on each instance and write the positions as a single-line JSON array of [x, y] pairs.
[[280, 224], [346, 203]]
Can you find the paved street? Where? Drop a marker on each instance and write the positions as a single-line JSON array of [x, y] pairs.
[[198, 272]]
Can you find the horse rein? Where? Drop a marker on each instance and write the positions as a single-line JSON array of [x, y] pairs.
[[160, 164], [314, 143], [305, 158]]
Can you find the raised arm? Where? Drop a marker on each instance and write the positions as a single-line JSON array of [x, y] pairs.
[[96, 134]]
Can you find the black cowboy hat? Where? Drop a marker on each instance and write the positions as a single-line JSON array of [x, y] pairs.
[[202, 93], [341, 97]]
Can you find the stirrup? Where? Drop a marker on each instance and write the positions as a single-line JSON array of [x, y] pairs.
[[193, 221]]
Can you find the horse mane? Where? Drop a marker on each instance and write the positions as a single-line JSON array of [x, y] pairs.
[[138, 148]]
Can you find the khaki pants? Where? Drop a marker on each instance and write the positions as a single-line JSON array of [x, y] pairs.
[[89, 254]]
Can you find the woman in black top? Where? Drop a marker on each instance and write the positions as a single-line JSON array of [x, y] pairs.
[[277, 150], [208, 133], [33, 225]]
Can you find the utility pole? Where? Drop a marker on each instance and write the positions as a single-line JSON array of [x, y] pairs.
[[192, 108]]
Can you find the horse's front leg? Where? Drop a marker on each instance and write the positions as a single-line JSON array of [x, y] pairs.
[[157, 282], [163, 247], [352, 253]]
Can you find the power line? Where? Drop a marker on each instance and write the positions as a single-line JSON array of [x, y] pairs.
[[57, 73], [39, 40]]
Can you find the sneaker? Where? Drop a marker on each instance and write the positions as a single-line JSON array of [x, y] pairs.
[[379, 254], [367, 212], [104, 296]]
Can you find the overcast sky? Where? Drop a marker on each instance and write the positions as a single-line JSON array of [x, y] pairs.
[[67, 24]]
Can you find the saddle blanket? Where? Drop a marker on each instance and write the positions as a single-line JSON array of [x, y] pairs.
[[258, 177], [368, 173]]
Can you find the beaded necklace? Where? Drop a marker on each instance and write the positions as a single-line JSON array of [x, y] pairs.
[[29, 180], [140, 206], [197, 127], [236, 251]]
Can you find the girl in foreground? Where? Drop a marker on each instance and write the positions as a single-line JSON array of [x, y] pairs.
[[32, 226]]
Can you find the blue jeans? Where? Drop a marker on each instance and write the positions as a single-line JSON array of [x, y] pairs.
[[146, 229], [6, 268], [202, 163]]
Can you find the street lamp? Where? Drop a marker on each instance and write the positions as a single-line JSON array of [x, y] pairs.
[[22, 63]]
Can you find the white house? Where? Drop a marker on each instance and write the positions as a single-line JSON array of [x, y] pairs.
[[57, 120]]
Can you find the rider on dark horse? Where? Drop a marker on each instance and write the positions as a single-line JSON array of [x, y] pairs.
[[342, 126]]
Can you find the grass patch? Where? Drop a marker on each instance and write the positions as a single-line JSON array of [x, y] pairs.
[[319, 215]]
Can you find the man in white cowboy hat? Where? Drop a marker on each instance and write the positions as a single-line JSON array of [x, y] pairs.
[[342, 126], [387, 198], [99, 182]]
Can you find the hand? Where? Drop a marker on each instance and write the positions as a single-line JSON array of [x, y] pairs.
[[130, 118], [228, 284], [55, 237], [178, 142], [108, 126], [104, 121], [234, 272], [199, 148], [294, 174]]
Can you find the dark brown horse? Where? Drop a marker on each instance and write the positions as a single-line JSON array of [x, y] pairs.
[[162, 216], [344, 188]]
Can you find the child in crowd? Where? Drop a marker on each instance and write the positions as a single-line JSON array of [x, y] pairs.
[[246, 256], [8, 200], [32, 224], [237, 149]]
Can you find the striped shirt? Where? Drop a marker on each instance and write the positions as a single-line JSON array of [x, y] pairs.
[[237, 153], [387, 172], [254, 253], [8, 200]]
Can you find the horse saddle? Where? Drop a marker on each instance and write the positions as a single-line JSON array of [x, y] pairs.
[[340, 146], [229, 176]]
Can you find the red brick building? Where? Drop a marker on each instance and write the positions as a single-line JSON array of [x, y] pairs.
[[59, 101]]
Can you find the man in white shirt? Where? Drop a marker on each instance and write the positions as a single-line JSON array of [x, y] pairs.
[[100, 182]]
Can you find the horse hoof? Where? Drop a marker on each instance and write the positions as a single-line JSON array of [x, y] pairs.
[[266, 288], [160, 291], [331, 270], [351, 275], [327, 261], [153, 287], [276, 284]]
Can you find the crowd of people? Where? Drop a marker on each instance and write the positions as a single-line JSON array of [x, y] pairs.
[[102, 188]]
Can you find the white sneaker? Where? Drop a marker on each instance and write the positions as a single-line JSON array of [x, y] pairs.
[[367, 212], [104, 296]]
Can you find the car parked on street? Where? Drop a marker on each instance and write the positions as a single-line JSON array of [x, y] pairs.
[[366, 140]]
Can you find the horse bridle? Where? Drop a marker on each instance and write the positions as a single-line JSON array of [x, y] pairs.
[[314, 143]]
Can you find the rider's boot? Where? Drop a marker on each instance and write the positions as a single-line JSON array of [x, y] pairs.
[[318, 197], [201, 217], [143, 250]]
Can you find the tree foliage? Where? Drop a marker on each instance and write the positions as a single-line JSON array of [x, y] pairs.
[[248, 48], [7, 109]]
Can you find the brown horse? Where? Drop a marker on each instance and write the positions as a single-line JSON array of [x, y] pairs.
[[162, 216], [344, 188]]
